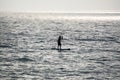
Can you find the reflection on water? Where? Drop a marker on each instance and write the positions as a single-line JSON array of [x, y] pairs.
[[26, 42]]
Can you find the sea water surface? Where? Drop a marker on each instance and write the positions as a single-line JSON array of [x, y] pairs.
[[26, 42]]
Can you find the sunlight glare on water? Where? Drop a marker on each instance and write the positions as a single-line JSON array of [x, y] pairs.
[[27, 43]]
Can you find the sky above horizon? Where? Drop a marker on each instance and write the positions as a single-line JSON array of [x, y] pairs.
[[60, 5]]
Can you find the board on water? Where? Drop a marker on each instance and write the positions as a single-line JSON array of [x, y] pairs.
[[63, 49]]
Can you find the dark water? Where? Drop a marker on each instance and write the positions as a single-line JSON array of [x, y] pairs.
[[26, 42]]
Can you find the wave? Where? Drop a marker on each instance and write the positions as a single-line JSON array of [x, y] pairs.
[[5, 46], [24, 59]]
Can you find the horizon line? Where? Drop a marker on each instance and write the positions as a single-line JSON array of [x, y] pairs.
[[59, 12]]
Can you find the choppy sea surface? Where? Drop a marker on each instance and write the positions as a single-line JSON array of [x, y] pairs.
[[26, 42]]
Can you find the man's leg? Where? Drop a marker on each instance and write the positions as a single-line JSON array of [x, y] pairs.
[[60, 47]]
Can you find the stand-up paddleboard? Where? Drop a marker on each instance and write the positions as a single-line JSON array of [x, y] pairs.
[[63, 49]]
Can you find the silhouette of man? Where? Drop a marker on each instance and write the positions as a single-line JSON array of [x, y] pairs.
[[59, 42]]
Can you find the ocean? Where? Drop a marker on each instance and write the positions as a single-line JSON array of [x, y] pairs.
[[27, 41]]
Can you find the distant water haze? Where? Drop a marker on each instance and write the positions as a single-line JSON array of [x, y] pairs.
[[75, 16]]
